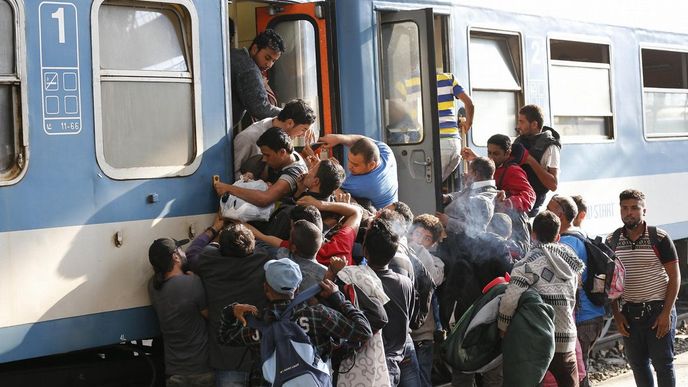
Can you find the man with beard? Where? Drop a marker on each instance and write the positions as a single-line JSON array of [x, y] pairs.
[[248, 86], [537, 149], [179, 302], [647, 318]]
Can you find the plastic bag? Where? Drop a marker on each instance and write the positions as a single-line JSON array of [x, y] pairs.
[[235, 208]]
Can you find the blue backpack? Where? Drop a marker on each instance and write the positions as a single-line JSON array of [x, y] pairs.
[[289, 358]]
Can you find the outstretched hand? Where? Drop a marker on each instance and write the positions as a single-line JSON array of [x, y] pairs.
[[240, 310]]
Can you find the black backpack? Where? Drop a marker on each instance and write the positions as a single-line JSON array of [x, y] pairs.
[[601, 261]]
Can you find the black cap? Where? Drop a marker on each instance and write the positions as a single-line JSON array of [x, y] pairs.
[[160, 253]]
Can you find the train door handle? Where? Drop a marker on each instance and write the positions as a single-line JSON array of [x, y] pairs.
[[425, 163]]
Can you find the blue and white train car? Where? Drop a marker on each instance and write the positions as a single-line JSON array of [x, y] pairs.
[[113, 120], [114, 116]]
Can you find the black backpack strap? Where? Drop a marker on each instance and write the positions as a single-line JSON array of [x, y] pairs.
[[300, 298], [615, 239], [575, 234], [654, 237]]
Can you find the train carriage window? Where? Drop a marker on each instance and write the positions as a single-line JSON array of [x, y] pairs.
[[665, 93], [496, 81], [11, 135], [580, 89], [402, 95], [299, 57], [149, 123]]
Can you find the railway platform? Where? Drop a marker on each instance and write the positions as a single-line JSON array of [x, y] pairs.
[[626, 379]]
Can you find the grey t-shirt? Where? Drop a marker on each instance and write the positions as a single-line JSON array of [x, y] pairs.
[[311, 271], [178, 305]]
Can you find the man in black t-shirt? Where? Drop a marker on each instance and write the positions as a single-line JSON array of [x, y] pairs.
[[179, 302], [285, 166], [379, 247]]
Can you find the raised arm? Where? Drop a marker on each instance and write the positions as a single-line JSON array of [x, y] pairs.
[[344, 139], [202, 240], [470, 110], [351, 213], [269, 239]]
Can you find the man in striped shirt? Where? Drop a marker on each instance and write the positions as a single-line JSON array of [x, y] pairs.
[[647, 318], [448, 89]]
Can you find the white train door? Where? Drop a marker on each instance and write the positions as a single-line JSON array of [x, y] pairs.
[[409, 105]]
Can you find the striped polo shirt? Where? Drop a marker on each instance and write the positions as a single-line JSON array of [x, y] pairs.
[[646, 278], [448, 89]]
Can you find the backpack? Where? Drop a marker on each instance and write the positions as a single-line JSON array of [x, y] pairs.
[[289, 358], [602, 265]]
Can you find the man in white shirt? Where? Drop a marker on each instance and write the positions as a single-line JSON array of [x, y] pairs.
[[295, 119]]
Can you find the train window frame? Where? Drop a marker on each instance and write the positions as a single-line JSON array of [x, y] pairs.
[[384, 113], [681, 136], [609, 121], [189, 30], [318, 75], [510, 37], [19, 99]]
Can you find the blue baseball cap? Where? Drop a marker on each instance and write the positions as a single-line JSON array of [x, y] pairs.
[[283, 275]]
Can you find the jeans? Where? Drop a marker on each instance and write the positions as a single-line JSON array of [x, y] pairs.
[[410, 376], [642, 346], [424, 356], [231, 379], [564, 369], [588, 333], [206, 379]]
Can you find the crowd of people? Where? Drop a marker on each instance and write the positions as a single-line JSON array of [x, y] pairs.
[[375, 287]]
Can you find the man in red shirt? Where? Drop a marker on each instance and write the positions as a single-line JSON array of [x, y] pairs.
[[516, 195]]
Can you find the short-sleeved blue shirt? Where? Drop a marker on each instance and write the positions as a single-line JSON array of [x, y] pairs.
[[379, 185]]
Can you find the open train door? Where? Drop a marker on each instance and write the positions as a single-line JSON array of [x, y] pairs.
[[409, 104], [305, 68]]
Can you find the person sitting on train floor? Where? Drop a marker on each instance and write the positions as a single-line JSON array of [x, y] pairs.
[[516, 196], [647, 316], [248, 87], [284, 168], [552, 270], [372, 168], [231, 271], [537, 149], [339, 243], [295, 118], [179, 301], [322, 179], [582, 207], [589, 317], [470, 210], [380, 246], [324, 325]]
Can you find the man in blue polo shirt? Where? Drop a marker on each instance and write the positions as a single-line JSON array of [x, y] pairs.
[[372, 169]]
